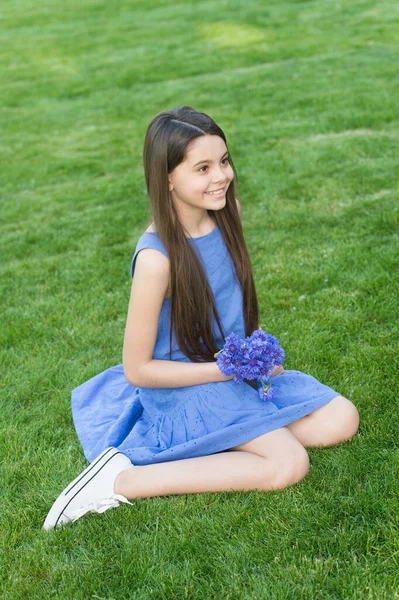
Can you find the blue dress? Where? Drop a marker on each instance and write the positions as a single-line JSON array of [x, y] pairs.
[[151, 425]]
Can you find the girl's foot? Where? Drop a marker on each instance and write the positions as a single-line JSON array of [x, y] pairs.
[[91, 491]]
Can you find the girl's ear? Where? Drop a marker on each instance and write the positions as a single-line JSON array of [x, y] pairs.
[[170, 186]]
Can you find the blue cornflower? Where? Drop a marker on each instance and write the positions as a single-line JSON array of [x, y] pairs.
[[266, 392], [252, 358]]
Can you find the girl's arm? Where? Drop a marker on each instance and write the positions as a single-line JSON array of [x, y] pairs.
[[149, 286], [173, 373]]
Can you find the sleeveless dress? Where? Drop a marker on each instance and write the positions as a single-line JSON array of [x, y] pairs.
[[152, 425]]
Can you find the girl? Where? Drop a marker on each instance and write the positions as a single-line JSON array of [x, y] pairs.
[[167, 421]]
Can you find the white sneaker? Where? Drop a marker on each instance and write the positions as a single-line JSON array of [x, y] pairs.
[[91, 491]]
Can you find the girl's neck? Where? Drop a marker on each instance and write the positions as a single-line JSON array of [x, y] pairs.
[[205, 228]]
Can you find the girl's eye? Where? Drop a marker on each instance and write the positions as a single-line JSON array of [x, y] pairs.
[[205, 167]]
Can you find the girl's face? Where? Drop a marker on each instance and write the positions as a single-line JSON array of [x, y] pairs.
[[191, 184]]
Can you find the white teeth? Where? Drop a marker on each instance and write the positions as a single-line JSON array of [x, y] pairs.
[[216, 192]]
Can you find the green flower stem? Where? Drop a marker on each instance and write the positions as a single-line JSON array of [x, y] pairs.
[[265, 386]]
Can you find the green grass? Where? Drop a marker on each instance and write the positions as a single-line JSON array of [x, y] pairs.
[[307, 93]]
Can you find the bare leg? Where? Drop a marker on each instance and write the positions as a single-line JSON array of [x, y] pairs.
[[285, 464], [331, 424]]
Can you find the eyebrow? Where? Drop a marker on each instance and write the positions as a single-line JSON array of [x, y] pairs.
[[207, 160]]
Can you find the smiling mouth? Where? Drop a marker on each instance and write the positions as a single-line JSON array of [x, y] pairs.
[[216, 192]]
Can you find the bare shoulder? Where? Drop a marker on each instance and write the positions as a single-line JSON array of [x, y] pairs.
[[239, 207], [152, 265], [150, 229], [152, 261]]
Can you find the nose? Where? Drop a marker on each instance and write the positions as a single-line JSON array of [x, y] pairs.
[[220, 176]]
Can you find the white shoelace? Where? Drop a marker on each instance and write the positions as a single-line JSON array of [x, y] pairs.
[[99, 506]]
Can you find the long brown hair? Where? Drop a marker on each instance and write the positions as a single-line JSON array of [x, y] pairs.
[[192, 302]]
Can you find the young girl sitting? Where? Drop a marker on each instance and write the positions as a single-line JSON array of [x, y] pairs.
[[167, 420]]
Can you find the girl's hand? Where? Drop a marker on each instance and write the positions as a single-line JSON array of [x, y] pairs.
[[278, 370], [220, 376]]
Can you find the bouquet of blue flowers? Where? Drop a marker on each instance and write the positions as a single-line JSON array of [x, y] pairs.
[[251, 358]]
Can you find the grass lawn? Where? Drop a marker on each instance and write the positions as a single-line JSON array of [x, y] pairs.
[[307, 94]]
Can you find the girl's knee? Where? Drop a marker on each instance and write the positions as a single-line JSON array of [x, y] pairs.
[[346, 422], [291, 471]]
